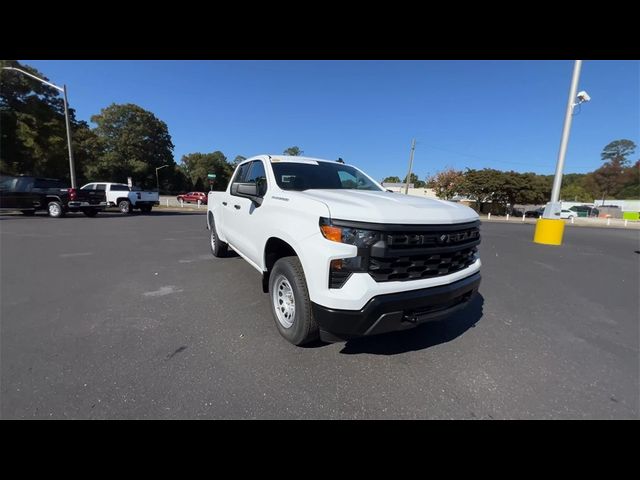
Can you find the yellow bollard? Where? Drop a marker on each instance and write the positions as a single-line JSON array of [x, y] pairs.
[[549, 231]]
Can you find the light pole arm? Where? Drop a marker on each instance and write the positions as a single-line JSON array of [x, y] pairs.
[[37, 78]]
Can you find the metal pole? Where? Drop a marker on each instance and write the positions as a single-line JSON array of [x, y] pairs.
[[566, 129], [66, 119], [157, 182], [413, 147]]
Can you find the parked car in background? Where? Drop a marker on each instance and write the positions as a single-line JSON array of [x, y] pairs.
[[29, 194], [565, 214], [584, 211], [125, 198], [534, 213], [193, 197]]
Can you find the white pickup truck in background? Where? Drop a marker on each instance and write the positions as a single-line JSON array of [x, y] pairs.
[[125, 198], [340, 256]]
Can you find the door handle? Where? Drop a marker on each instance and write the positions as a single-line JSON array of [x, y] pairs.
[[237, 207], [224, 203]]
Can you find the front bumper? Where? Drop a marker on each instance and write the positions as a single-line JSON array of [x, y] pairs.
[[395, 311]]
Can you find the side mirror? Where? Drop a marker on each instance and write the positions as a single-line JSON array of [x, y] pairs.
[[247, 190]]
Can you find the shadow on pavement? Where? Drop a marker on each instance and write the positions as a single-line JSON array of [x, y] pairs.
[[421, 337]]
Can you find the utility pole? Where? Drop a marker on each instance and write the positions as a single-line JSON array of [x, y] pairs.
[[413, 147]]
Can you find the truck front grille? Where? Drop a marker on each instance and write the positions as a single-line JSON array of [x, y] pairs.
[[425, 252], [415, 267]]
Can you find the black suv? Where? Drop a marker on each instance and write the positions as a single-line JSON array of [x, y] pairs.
[[30, 194]]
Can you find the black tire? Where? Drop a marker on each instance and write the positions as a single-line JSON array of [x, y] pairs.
[[218, 247], [55, 210], [28, 213], [124, 206], [90, 212], [304, 328], [146, 209]]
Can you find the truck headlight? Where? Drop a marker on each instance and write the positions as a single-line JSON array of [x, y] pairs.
[[352, 236], [341, 269]]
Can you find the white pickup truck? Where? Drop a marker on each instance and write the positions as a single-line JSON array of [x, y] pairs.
[[125, 198], [339, 256]]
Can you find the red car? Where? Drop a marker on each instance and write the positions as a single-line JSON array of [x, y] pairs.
[[193, 197]]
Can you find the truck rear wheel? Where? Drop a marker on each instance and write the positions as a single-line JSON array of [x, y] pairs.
[[124, 206], [55, 209], [218, 247], [290, 303]]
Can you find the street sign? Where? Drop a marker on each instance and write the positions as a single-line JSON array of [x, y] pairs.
[[211, 175], [129, 182]]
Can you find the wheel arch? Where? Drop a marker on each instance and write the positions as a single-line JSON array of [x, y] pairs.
[[275, 248]]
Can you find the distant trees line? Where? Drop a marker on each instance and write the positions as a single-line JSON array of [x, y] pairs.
[[617, 178], [127, 141]]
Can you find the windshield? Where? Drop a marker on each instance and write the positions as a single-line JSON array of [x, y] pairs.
[[324, 175]]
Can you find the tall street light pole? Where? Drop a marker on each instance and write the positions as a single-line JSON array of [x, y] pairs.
[[413, 147], [566, 130], [62, 89], [158, 181], [550, 228]]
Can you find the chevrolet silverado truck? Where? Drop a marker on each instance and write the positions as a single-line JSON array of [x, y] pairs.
[[30, 194], [340, 256], [125, 198]]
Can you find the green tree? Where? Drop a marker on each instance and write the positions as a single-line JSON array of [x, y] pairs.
[[294, 151], [484, 185], [610, 179], [391, 180], [198, 165], [575, 193], [618, 151], [238, 159], [417, 183], [33, 132], [447, 183], [132, 142]]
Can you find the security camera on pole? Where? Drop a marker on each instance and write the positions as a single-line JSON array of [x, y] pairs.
[[550, 228]]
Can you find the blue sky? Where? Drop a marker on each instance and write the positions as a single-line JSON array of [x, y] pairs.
[[476, 114]]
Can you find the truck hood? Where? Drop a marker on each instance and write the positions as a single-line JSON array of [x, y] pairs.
[[387, 207]]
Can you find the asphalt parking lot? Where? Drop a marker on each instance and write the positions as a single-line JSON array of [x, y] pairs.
[[131, 317]]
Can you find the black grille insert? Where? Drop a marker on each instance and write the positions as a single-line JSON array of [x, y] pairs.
[[415, 267]]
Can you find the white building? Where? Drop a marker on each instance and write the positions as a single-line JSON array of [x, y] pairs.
[[418, 192]]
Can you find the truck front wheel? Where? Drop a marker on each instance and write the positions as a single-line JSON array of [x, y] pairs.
[[290, 303], [218, 247]]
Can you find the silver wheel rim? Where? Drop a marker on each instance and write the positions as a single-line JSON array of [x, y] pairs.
[[284, 302], [124, 208], [54, 209], [213, 239]]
